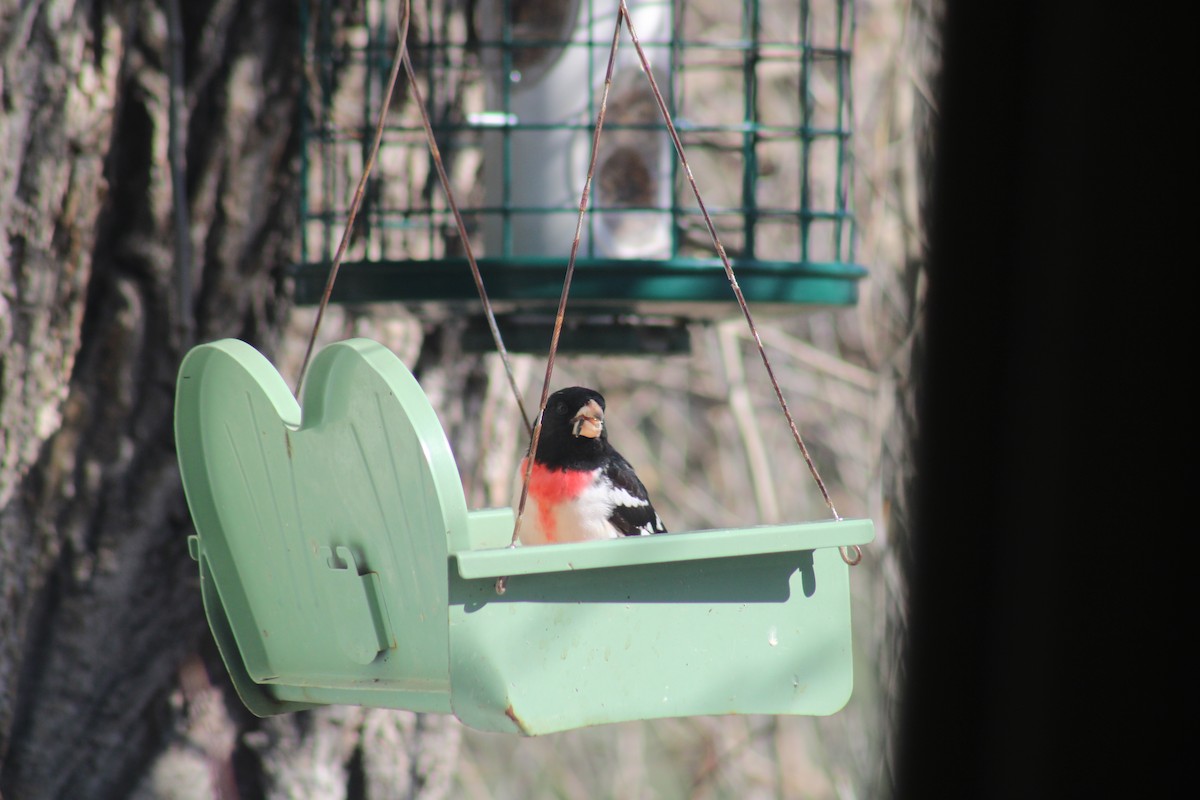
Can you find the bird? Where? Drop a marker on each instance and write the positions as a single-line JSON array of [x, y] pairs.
[[580, 487]]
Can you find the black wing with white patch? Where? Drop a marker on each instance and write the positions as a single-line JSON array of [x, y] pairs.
[[632, 513]]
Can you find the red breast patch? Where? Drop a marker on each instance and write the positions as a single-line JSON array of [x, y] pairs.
[[553, 486]]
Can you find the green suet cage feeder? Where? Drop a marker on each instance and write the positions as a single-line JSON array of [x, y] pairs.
[[760, 95]]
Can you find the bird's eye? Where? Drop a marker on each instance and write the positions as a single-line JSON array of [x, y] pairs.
[[560, 407]]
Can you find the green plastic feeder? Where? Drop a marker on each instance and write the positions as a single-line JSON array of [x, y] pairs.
[[339, 565]]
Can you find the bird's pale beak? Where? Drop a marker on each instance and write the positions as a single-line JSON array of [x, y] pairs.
[[589, 421]]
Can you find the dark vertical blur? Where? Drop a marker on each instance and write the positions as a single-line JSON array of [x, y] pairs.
[[1038, 651]]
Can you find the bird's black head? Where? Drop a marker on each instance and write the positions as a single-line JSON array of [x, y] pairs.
[[573, 429]]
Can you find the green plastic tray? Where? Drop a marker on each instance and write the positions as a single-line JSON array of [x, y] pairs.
[[339, 564]]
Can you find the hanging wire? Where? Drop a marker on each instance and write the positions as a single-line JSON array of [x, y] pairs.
[[466, 242], [737, 290], [622, 13], [402, 57], [356, 202], [624, 17]]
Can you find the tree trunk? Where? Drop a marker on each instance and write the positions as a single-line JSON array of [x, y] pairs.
[[100, 603], [897, 66], [109, 684]]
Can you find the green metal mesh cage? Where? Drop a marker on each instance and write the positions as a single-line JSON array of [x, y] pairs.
[[759, 91]]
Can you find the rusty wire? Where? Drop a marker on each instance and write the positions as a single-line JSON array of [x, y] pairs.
[[623, 17], [402, 57]]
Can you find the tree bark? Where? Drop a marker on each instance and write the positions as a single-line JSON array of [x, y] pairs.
[[898, 159], [100, 606], [109, 684]]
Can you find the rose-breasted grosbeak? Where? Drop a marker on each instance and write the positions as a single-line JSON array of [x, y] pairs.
[[581, 488]]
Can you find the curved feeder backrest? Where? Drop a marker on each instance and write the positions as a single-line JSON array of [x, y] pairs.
[[317, 530]]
